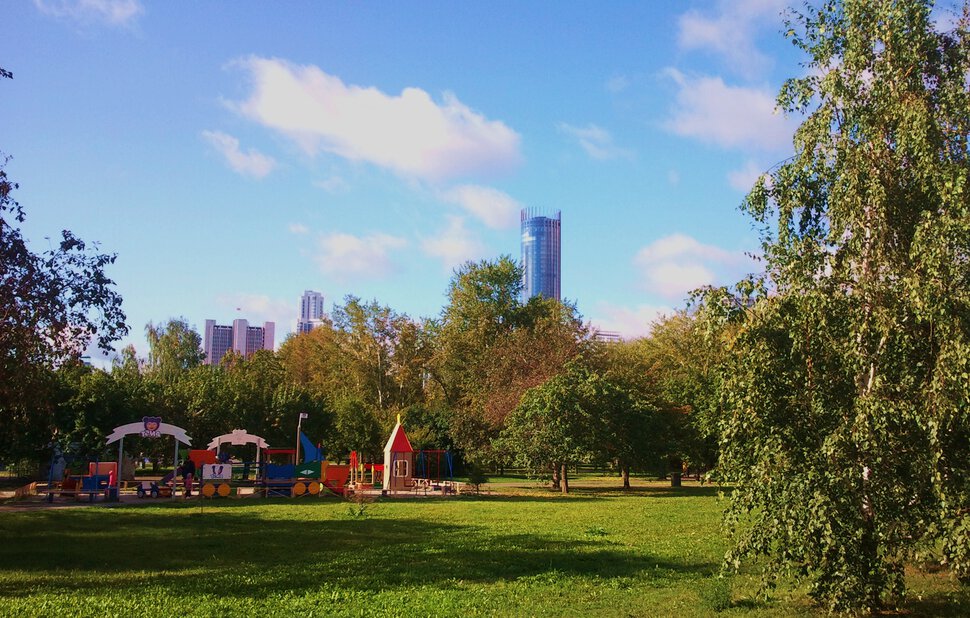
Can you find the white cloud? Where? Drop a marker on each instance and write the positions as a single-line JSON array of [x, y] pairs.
[[111, 12], [409, 133], [251, 163], [617, 83], [596, 141], [673, 177], [346, 256], [677, 264], [729, 116], [494, 208], [630, 322], [681, 245], [299, 229], [454, 245], [259, 308], [730, 31], [334, 184], [743, 179]]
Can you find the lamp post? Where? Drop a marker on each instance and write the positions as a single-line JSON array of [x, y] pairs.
[[303, 415]]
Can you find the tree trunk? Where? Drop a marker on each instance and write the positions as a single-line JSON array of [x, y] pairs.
[[565, 479], [677, 467], [626, 475], [555, 476]]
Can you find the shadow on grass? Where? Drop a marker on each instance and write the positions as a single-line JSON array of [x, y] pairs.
[[652, 491], [943, 604], [226, 553]]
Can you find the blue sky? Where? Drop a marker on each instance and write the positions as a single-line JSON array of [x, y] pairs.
[[236, 154]]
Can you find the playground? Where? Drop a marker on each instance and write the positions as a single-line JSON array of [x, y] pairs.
[[239, 464], [519, 550], [281, 531]]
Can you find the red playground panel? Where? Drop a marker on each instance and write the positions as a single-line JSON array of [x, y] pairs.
[[202, 456], [336, 477]]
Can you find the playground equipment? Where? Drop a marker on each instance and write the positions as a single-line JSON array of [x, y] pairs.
[[238, 437], [335, 478], [157, 489], [101, 478], [148, 427], [407, 470], [290, 479], [432, 465], [218, 475], [213, 476], [398, 461], [363, 475]]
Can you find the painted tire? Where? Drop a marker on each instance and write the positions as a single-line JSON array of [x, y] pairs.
[[208, 490], [299, 488], [314, 488], [223, 489], [154, 492], [140, 491]]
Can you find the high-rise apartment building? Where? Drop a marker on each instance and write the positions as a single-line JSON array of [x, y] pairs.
[[241, 337], [218, 341], [541, 255], [311, 311]]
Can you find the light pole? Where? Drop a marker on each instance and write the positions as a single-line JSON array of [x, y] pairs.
[[296, 460]]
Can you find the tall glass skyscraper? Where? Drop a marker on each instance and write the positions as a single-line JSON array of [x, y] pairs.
[[541, 255], [311, 311]]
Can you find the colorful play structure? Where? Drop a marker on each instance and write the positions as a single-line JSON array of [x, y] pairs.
[[271, 472]]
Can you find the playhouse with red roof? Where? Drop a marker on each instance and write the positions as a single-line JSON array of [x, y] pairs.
[[398, 461]]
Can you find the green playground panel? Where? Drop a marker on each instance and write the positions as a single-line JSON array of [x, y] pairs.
[[308, 470]]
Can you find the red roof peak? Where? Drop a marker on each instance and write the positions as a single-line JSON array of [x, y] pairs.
[[399, 441]]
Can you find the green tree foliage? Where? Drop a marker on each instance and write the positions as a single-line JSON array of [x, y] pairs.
[[849, 429], [93, 404], [558, 423], [483, 307], [315, 361], [52, 305], [370, 359], [356, 430], [579, 416], [428, 426], [685, 357], [381, 352], [368, 352], [173, 348], [646, 432], [249, 393], [489, 348]]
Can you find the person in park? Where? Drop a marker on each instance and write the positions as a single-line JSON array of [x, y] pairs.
[[188, 472]]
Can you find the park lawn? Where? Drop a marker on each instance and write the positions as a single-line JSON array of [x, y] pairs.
[[526, 551]]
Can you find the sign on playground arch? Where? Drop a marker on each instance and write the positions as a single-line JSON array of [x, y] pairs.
[[149, 427]]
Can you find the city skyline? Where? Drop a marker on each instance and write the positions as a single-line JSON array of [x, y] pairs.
[[369, 150]]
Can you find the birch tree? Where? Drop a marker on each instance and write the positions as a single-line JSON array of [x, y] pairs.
[[848, 434]]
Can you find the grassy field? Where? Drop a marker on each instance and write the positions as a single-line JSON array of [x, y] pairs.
[[650, 552]]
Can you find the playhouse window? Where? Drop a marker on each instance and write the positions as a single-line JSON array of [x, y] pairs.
[[401, 467]]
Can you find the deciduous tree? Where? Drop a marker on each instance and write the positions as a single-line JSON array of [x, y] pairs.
[[849, 429], [52, 305]]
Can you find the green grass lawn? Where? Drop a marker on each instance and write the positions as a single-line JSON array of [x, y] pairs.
[[522, 552]]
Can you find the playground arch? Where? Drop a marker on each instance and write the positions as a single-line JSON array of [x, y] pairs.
[[148, 427], [238, 437]]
